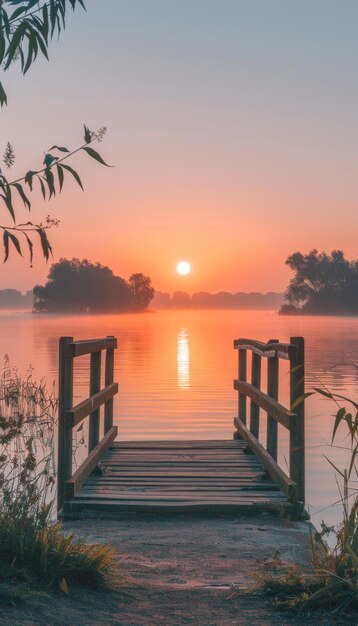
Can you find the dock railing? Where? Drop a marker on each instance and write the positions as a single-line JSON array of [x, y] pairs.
[[292, 419], [71, 416]]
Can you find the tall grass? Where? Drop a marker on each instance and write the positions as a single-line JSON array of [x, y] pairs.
[[332, 584], [33, 550]]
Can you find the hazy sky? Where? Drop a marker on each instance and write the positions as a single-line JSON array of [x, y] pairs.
[[232, 125]]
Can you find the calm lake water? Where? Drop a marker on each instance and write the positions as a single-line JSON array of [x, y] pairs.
[[176, 371]]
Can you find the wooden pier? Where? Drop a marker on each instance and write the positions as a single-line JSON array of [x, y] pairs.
[[239, 475]]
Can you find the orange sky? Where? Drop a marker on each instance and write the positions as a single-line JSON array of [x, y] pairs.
[[231, 126]]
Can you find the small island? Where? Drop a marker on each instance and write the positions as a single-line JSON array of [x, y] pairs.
[[80, 286]]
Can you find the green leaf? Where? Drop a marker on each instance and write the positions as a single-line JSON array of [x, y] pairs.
[[60, 148], [45, 244], [6, 245], [60, 175], [95, 155], [43, 190], [22, 195], [49, 177], [14, 44], [88, 135], [31, 246], [301, 399], [8, 201], [339, 416], [16, 243], [49, 159], [17, 12], [324, 393], [74, 174], [28, 178], [3, 96]]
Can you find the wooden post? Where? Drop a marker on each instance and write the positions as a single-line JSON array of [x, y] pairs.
[[297, 426], [109, 377], [272, 391], [65, 389], [242, 376], [254, 408], [95, 385]]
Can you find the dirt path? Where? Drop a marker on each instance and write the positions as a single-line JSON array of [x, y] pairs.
[[181, 570]]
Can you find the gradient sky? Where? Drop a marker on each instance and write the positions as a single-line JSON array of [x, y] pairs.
[[232, 126]]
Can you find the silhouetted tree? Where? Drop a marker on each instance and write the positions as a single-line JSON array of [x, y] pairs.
[[79, 285], [142, 291], [181, 300], [322, 283]]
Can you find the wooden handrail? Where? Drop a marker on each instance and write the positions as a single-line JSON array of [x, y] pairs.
[[84, 408], [280, 350], [70, 416], [80, 476], [276, 410], [287, 485], [293, 420], [88, 346]]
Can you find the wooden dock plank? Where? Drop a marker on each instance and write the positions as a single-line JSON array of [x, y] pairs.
[[175, 476]]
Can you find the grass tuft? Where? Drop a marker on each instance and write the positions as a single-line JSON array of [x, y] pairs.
[[35, 555]]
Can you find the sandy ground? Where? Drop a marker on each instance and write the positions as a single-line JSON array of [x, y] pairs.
[[180, 570]]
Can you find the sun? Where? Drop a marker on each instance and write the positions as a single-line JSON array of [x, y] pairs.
[[183, 268]]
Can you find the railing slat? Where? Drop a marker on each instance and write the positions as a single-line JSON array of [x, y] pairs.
[[272, 391], [255, 408], [64, 429], [84, 408], [95, 385], [297, 428], [271, 406], [83, 472], [287, 485], [242, 376], [109, 377]]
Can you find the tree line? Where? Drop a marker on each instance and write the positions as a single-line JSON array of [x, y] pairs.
[[75, 285], [220, 300]]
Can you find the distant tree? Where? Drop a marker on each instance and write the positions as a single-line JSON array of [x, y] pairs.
[[201, 300], [26, 30], [161, 300], [79, 285], [322, 283], [181, 300], [142, 291]]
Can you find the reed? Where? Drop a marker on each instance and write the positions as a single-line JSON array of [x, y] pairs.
[[332, 583], [34, 552]]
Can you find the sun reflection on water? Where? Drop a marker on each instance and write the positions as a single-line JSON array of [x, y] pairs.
[[183, 363]]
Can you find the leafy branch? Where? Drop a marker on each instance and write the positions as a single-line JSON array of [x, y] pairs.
[[50, 183], [25, 33]]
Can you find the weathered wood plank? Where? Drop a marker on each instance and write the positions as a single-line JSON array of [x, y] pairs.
[[108, 380], [111, 509], [79, 477], [95, 385], [287, 485], [172, 443], [88, 346], [255, 408], [297, 425], [84, 408], [281, 350], [64, 430], [271, 406], [272, 391]]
